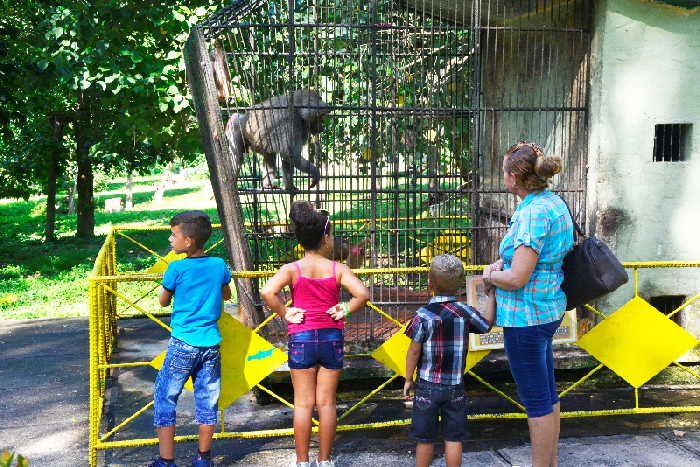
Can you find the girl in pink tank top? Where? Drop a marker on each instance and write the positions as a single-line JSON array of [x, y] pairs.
[[315, 326], [315, 296]]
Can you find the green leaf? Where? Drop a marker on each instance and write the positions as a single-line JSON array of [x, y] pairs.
[[57, 32], [42, 65]]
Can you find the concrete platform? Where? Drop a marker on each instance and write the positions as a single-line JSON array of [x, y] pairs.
[[44, 414]]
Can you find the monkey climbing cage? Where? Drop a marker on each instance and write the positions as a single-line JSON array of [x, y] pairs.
[[423, 99]]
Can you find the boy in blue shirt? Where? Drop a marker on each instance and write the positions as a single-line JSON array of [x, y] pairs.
[[439, 334], [199, 284]]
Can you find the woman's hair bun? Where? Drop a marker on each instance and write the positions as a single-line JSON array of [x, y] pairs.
[[547, 166]]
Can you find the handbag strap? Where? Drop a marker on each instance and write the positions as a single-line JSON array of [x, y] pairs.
[[577, 229]]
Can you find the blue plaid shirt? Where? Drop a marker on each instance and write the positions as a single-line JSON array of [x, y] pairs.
[[541, 222], [443, 327]]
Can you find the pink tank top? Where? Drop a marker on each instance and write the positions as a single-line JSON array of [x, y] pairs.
[[315, 296]]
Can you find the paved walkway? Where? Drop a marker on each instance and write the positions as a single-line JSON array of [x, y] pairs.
[[44, 400]]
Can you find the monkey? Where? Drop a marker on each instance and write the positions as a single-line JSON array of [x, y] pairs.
[[221, 71], [352, 253], [270, 129]]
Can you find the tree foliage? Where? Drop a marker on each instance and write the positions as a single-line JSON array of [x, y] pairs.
[[113, 69]]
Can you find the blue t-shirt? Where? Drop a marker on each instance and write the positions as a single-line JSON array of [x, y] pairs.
[[196, 283]]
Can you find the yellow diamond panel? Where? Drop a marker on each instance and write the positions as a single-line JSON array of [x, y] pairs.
[[392, 353], [246, 358], [162, 264], [637, 341]]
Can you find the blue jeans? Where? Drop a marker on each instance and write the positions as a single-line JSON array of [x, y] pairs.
[[433, 402], [323, 347], [531, 362], [182, 360]]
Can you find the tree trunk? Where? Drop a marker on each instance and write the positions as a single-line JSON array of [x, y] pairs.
[[129, 192], [71, 197], [86, 203], [51, 179], [223, 175], [165, 180], [50, 226]]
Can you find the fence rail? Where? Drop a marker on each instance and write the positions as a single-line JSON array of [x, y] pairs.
[[104, 297]]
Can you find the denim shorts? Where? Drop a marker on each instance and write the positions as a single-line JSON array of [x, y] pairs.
[[531, 362], [433, 400], [182, 360], [308, 349]]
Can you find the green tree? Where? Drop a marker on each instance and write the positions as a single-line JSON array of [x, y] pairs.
[[117, 67]]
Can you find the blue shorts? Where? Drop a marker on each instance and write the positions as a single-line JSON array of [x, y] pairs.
[[308, 349], [437, 404], [531, 362], [182, 360]]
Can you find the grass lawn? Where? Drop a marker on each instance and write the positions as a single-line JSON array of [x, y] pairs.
[[48, 280]]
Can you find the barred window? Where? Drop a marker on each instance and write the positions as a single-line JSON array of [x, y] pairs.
[[671, 142], [667, 303]]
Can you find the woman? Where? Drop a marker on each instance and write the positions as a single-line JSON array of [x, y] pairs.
[[315, 326], [530, 302]]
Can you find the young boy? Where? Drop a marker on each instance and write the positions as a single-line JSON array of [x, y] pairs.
[[199, 284], [439, 332]]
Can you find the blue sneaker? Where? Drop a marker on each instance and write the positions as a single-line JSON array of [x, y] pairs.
[[202, 462], [158, 462]]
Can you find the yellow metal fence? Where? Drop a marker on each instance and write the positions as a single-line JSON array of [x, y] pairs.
[[104, 295]]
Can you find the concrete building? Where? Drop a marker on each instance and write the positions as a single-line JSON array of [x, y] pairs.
[[643, 187]]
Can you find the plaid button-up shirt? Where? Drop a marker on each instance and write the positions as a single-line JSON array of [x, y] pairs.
[[443, 327], [541, 222]]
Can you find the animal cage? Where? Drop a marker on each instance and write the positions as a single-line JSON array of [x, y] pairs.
[[421, 99]]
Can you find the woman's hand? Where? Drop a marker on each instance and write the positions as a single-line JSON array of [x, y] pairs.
[[496, 266], [339, 311], [408, 388], [294, 315]]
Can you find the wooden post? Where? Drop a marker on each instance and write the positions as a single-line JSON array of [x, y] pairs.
[[221, 167]]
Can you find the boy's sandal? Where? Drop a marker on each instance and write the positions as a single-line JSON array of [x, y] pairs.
[[158, 462], [202, 463]]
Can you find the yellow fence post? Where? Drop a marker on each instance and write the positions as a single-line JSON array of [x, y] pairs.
[[94, 421]]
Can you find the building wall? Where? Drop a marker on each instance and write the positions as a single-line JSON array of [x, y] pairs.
[[645, 70]]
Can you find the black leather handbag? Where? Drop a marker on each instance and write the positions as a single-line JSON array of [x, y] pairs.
[[591, 270]]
